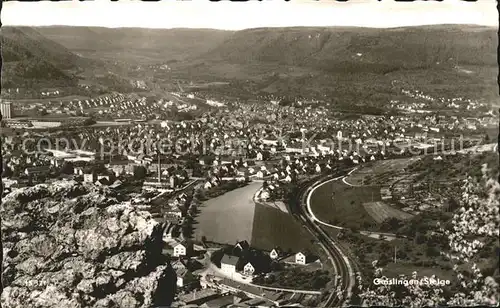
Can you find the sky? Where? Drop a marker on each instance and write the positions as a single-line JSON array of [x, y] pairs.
[[252, 14]]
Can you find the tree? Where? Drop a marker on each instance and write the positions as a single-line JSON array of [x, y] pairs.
[[7, 172], [474, 288], [67, 168], [89, 121], [42, 112], [140, 172]]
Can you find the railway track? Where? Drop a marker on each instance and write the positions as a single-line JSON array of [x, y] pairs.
[[340, 263]]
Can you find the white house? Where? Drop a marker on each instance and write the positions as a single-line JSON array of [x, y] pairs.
[[207, 185], [275, 254], [248, 269], [89, 178], [185, 278], [175, 212], [303, 258], [180, 277], [228, 264], [264, 194], [181, 250], [300, 258], [242, 246], [259, 156]]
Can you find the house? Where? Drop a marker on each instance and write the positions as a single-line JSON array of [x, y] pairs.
[[264, 194], [173, 182], [248, 269], [89, 177], [186, 279], [385, 194], [276, 253], [121, 168], [175, 212], [207, 185], [303, 258], [171, 231], [182, 249], [78, 171], [259, 156], [180, 273], [241, 246], [228, 264], [177, 265], [107, 178]]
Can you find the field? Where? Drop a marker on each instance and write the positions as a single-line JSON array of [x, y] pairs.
[[380, 211], [228, 218], [379, 172], [339, 204], [272, 228]]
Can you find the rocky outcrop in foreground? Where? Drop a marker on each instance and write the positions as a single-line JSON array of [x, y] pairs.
[[72, 245]]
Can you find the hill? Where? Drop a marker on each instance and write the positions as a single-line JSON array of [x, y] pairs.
[[135, 44], [33, 61], [361, 48], [354, 65], [29, 57]]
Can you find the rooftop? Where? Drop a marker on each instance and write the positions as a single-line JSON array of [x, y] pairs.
[[231, 260]]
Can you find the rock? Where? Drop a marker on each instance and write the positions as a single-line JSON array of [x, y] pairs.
[[73, 245]]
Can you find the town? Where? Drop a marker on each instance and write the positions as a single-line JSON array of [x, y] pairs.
[[250, 166], [170, 168]]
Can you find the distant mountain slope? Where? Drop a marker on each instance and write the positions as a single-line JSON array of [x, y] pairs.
[[22, 43], [30, 58], [135, 44], [361, 48], [354, 66]]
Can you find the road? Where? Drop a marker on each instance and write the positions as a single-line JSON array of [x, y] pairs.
[[340, 262]]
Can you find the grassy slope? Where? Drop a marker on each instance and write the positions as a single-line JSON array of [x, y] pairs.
[[272, 227], [135, 44], [346, 208]]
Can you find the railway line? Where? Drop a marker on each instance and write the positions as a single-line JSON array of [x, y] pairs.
[[340, 263]]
